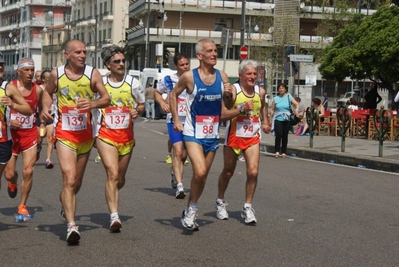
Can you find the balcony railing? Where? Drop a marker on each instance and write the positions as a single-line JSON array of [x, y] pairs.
[[194, 35]]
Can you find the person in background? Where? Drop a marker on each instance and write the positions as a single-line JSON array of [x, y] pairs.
[[166, 85], [150, 102], [316, 103], [38, 77], [325, 100], [372, 98], [74, 85], [280, 112], [352, 104], [115, 137], [24, 134], [49, 127], [10, 98]]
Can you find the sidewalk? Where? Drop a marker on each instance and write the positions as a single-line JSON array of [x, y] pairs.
[[359, 152]]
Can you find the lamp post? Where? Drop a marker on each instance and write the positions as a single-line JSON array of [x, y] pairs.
[[51, 14], [256, 28], [164, 18], [182, 4], [242, 30], [147, 37]]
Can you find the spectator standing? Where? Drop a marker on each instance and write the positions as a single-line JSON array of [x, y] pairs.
[[372, 97], [150, 102], [280, 113], [325, 100]]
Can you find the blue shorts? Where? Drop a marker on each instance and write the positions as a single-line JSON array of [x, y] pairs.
[[208, 145], [174, 136], [5, 151]]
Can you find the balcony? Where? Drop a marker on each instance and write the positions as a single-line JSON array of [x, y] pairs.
[[106, 16], [52, 48]]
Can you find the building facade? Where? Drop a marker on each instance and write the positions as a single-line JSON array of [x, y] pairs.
[[22, 22]]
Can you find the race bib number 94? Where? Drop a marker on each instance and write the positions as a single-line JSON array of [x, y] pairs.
[[117, 117], [74, 119], [206, 127], [247, 126]]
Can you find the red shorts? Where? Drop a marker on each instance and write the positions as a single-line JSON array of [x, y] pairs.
[[23, 140]]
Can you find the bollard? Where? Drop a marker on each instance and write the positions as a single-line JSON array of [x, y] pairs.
[[382, 119], [343, 122]]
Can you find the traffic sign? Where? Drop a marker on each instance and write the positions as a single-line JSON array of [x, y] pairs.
[[301, 58], [243, 52]]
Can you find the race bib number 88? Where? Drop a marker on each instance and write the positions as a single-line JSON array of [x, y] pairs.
[[206, 127]]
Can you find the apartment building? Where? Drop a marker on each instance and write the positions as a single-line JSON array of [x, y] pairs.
[[269, 28], [99, 23], [22, 23]]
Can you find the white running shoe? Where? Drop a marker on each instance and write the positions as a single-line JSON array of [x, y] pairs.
[[180, 192], [188, 218], [115, 225], [73, 235], [221, 212], [249, 215], [173, 182]]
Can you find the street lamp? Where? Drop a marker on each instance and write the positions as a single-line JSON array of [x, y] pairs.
[[147, 37], [249, 36], [182, 4], [164, 18]]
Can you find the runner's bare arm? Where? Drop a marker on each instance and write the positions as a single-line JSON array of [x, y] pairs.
[[19, 104]]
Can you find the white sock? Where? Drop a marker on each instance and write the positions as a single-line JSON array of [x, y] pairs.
[[194, 206], [114, 215], [246, 205], [218, 200], [71, 224]]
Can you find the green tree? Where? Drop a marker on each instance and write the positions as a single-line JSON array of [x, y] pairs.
[[366, 48]]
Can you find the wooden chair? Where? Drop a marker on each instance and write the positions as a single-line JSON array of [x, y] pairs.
[[358, 123], [327, 123]]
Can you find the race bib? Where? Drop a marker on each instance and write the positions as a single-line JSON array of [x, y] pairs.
[[74, 119], [181, 107], [206, 127], [117, 117], [26, 121], [247, 126]]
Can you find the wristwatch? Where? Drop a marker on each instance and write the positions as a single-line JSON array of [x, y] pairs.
[[137, 109], [242, 109]]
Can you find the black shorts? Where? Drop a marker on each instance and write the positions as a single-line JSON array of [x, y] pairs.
[[5, 151]]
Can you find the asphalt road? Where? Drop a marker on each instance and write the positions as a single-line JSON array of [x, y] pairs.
[[309, 214]]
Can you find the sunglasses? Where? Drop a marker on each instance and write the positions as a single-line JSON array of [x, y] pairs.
[[118, 61]]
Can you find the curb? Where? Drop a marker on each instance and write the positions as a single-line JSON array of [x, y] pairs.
[[381, 164]]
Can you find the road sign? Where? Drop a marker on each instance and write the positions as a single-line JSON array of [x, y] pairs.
[[301, 58], [243, 52]]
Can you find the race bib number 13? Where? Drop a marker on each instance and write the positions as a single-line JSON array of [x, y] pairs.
[[74, 119], [206, 127]]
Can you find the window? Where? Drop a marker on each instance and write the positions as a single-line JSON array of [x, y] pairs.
[[221, 23]]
